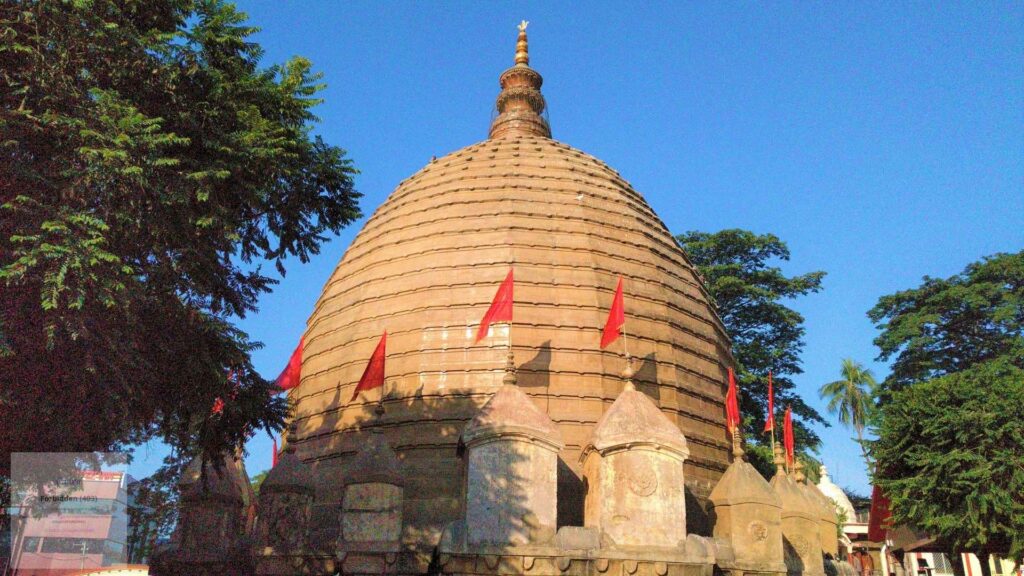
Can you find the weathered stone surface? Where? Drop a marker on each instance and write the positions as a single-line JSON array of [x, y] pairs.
[[373, 499], [372, 512], [801, 538], [633, 469], [747, 515], [286, 498], [827, 520], [215, 515], [577, 538], [376, 462], [512, 464], [511, 413]]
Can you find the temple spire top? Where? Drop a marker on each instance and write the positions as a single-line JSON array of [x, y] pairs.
[[520, 104], [522, 47]]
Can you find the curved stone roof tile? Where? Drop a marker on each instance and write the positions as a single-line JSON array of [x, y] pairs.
[[376, 462], [634, 420], [511, 411], [743, 484]]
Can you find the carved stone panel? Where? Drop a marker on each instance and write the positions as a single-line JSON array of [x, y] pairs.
[[372, 512]]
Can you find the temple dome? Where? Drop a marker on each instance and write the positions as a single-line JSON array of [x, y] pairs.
[[425, 267], [836, 495]]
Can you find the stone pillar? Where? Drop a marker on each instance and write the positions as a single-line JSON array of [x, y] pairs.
[[371, 509], [633, 474], [828, 522], [801, 539], [282, 530], [747, 516], [511, 449]]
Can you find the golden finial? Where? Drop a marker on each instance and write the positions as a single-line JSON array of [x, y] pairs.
[[627, 374], [522, 50], [798, 473], [737, 448], [780, 460], [520, 104], [510, 369], [290, 437]]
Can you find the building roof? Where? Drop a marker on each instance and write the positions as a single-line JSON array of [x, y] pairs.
[[634, 420], [290, 474], [743, 484], [793, 498], [510, 412], [376, 462]]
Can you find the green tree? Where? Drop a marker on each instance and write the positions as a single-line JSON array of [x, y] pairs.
[[257, 481], [750, 294], [950, 457], [148, 165], [852, 400], [947, 325], [155, 507]]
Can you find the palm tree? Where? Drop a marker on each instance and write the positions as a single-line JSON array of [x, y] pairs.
[[852, 399]]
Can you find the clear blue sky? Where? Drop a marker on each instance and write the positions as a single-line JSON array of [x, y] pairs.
[[882, 141]]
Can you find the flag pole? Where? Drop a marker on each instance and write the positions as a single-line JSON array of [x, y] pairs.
[[625, 337], [625, 341], [511, 357]]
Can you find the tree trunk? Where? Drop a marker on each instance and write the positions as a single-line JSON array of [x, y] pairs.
[[983, 559], [956, 560], [863, 450]]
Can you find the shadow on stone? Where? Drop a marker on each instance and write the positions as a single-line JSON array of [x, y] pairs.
[[571, 495]]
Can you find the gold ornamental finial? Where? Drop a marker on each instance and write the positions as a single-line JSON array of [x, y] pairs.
[[520, 103], [737, 447], [510, 369], [627, 374], [522, 49], [780, 460], [290, 437], [798, 467]]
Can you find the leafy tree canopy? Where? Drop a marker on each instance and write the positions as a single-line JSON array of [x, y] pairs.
[[946, 325], [949, 458], [750, 293], [148, 164]]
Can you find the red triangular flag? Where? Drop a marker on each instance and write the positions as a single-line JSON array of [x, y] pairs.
[[616, 319], [373, 376], [501, 308], [273, 459], [878, 520], [218, 406], [787, 436], [289, 377], [769, 423], [732, 405]]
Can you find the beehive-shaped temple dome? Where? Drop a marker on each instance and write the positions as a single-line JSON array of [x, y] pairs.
[[425, 267]]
